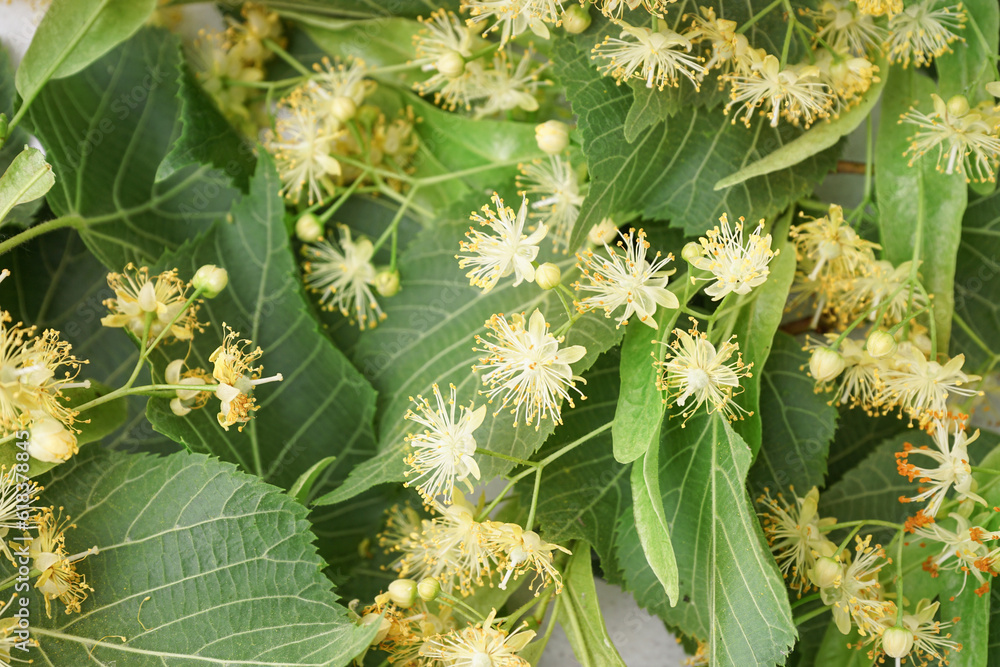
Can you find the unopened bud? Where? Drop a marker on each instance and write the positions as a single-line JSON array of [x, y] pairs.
[[548, 275], [552, 137], [825, 364], [50, 441], [211, 280], [691, 251], [343, 108], [880, 344], [387, 282], [428, 589], [958, 105], [825, 572], [897, 642], [308, 228], [451, 64], [403, 592], [603, 232], [576, 19]]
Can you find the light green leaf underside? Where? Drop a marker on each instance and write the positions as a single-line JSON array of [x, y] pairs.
[[227, 564], [27, 178], [732, 594], [580, 613], [651, 523]]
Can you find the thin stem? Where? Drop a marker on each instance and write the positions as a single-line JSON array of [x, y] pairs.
[[73, 221], [456, 603], [862, 522], [505, 457], [341, 200], [284, 55], [847, 540], [805, 600], [788, 32], [758, 16], [987, 471], [399, 216], [145, 389], [534, 498], [899, 578], [964, 326], [11, 580], [799, 620], [144, 353], [440, 178], [265, 85]]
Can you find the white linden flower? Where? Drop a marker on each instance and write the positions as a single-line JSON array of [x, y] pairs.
[[505, 87], [479, 646], [855, 595], [794, 92], [845, 28], [556, 182], [878, 286], [657, 57], [443, 453], [793, 532], [694, 369], [965, 544], [922, 33], [444, 43], [964, 139], [527, 368], [301, 145], [513, 17], [735, 266], [509, 251], [630, 281], [727, 46], [614, 9], [344, 276], [953, 469], [832, 244], [338, 90], [920, 387]]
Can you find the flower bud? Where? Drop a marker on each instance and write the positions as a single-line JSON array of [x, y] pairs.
[[825, 572], [50, 441], [880, 344], [958, 105], [576, 19], [552, 137], [387, 282], [343, 108], [603, 232], [691, 251], [428, 589], [403, 592], [451, 64], [308, 228], [897, 641], [825, 364], [548, 275], [211, 280]]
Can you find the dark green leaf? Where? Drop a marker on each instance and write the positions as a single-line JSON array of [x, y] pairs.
[[857, 435], [971, 64], [920, 210], [11, 148], [973, 630], [977, 283]]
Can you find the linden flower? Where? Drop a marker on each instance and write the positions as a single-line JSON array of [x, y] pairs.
[[845, 28], [160, 299], [614, 9], [794, 534], [859, 384], [630, 281], [922, 33], [953, 469], [728, 46], [443, 453], [444, 43], [479, 646], [657, 57], [344, 277], [855, 594], [513, 17], [187, 400], [527, 368], [509, 251], [505, 87], [832, 244], [237, 378], [794, 92], [879, 285], [920, 387], [928, 642], [337, 90], [964, 140], [301, 144], [965, 544], [28, 375], [735, 266], [523, 550], [556, 182], [695, 369], [59, 579], [848, 77], [879, 7], [16, 505]]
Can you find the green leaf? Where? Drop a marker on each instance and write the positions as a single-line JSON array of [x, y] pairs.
[[798, 424], [107, 129], [977, 283], [303, 485], [11, 148], [920, 210], [75, 33], [971, 63], [836, 650], [671, 167], [639, 414], [427, 338], [386, 42], [731, 591], [651, 523], [362, 9], [973, 631], [818, 138], [324, 406], [580, 613], [857, 435], [585, 490], [198, 564], [27, 178], [650, 107]]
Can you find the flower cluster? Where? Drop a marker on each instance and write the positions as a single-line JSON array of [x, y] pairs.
[[964, 139]]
